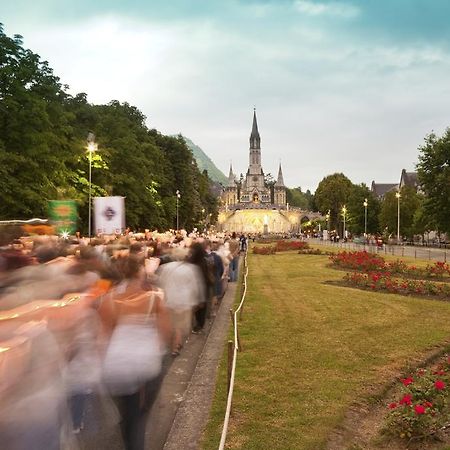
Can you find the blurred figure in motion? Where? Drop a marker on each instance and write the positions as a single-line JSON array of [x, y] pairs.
[[133, 361], [234, 264], [33, 412], [205, 282], [183, 285]]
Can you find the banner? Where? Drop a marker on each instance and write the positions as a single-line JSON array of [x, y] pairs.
[[63, 215], [109, 215]]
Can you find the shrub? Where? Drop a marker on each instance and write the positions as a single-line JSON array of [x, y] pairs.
[[421, 409], [266, 250], [366, 262], [282, 246]]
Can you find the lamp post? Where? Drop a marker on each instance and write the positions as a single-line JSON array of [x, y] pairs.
[[91, 148], [365, 217], [203, 219], [344, 212], [327, 217], [178, 199], [398, 195]]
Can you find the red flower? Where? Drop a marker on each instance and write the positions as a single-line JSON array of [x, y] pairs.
[[407, 381], [428, 404], [406, 400], [439, 385], [393, 405], [419, 409]]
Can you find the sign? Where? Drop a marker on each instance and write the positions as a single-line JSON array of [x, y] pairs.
[[63, 215], [109, 215]]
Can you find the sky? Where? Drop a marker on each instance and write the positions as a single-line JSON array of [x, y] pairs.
[[339, 86]]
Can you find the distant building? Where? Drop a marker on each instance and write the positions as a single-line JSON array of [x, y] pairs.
[[409, 179], [253, 190], [406, 179], [254, 204], [381, 189]]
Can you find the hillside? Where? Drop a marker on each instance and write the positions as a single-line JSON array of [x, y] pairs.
[[205, 162]]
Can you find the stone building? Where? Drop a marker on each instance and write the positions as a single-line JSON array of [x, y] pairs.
[[253, 190], [254, 204]]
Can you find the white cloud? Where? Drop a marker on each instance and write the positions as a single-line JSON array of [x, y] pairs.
[[336, 9]]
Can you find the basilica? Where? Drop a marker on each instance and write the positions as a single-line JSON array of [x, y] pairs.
[[254, 203], [254, 190]]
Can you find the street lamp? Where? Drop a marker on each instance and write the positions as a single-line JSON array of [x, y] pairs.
[[327, 217], [365, 217], [398, 195], [178, 199], [91, 148], [344, 212]]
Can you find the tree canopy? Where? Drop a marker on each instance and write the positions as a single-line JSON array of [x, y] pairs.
[[43, 155], [433, 170]]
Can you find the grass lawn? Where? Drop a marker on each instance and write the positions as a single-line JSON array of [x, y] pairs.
[[312, 349]]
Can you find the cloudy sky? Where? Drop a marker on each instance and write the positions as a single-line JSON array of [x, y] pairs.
[[339, 86]]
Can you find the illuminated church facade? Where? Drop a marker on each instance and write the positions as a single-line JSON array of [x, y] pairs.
[[253, 191], [253, 204]]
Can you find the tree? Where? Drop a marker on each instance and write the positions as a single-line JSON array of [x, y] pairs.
[[35, 131], [434, 177], [295, 197], [43, 156], [409, 203], [356, 210], [331, 195]]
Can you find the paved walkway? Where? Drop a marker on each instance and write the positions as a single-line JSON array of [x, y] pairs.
[[182, 408], [430, 253]]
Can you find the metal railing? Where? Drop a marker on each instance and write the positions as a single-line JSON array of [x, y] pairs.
[[430, 253], [236, 348]]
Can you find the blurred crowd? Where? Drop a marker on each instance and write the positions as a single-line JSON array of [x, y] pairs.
[[88, 328]]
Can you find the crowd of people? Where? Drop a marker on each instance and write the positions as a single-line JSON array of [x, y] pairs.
[[88, 328]]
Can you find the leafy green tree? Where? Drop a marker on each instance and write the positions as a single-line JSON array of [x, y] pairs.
[[356, 210], [34, 131], [43, 153], [409, 203], [434, 177], [295, 197], [422, 222], [332, 194]]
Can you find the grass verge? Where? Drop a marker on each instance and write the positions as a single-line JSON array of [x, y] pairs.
[[312, 349]]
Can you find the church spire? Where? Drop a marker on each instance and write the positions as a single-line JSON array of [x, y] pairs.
[[280, 181], [231, 177], [255, 140]]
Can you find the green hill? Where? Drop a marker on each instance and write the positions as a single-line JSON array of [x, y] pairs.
[[205, 162]]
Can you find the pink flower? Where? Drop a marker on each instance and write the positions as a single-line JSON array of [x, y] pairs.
[[439, 385], [406, 400], [407, 381], [419, 409]]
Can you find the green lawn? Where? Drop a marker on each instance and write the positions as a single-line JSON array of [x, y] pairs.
[[311, 349]]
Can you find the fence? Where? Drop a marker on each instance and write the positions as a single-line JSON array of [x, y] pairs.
[[236, 346], [394, 250]]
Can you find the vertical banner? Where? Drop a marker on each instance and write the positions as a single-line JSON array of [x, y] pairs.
[[63, 215], [109, 215]]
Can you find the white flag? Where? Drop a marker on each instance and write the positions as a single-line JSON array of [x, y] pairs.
[[109, 215]]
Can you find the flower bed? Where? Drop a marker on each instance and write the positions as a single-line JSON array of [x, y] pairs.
[[282, 246], [379, 281], [266, 250], [366, 262], [313, 251], [421, 409]]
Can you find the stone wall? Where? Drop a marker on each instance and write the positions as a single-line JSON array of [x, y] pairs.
[[259, 221]]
